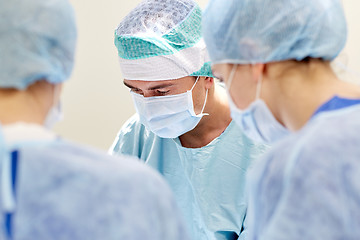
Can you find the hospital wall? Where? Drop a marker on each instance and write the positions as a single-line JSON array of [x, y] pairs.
[[95, 101]]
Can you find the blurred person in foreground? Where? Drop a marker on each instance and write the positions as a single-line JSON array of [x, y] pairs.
[[274, 56], [51, 188]]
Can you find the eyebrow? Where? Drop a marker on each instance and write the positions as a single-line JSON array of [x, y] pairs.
[[152, 88], [161, 86]]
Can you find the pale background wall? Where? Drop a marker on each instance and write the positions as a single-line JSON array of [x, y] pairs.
[[96, 103], [351, 54]]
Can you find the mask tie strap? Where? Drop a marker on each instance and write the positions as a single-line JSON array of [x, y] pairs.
[[258, 88], [201, 114], [202, 110], [231, 76], [197, 79]]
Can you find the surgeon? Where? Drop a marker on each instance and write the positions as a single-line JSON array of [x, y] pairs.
[[274, 57], [183, 126], [51, 188]]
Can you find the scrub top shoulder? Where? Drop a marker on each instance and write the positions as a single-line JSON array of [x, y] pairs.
[[208, 182], [69, 191], [308, 186]]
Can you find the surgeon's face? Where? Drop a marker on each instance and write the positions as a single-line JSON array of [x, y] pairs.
[[243, 86], [171, 87]]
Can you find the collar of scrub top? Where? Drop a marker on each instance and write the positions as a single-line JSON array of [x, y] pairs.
[[11, 137], [336, 103]]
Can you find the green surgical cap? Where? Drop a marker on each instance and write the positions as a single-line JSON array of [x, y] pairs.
[[161, 40]]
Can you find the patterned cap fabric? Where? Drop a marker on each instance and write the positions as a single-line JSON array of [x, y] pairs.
[[162, 39]]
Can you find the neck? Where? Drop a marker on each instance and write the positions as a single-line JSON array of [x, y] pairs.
[[19, 108], [211, 126], [29, 106], [301, 90]]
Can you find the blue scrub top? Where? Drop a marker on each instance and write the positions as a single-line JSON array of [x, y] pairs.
[[336, 103], [62, 190], [208, 182], [308, 185]]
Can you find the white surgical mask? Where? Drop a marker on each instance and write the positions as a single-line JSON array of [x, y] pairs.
[[55, 113], [256, 121], [168, 116]]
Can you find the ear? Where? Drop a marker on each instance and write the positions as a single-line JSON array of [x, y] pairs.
[[209, 82], [258, 71]]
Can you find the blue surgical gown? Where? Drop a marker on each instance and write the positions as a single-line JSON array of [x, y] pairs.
[[71, 192], [308, 186], [208, 182]]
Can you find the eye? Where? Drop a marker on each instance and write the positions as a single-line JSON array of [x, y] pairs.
[[136, 90], [220, 79], [162, 92]]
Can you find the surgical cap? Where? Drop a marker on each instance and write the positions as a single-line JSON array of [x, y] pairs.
[[161, 40], [37, 41], [260, 31]]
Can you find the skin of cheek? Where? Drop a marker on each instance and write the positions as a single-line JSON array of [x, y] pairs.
[[240, 93], [199, 94], [243, 93], [243, 87]]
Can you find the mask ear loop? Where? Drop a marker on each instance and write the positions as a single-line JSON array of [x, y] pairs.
[[258, 88], [55, 103], [197, 79], [55, 110], [202, 110], [206, 96], [231, 76], [230, 79]]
